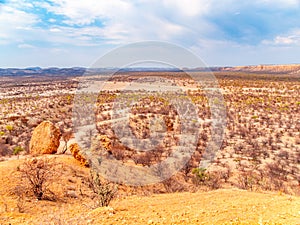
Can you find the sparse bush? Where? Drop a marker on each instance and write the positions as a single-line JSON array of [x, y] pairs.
[[105, 192], [200, 175], [173, 185], [4, 150], [10, 128], [118, 153], [144, 159], [210, 179], [38, 174], [214, 180], [277, 174], [247, 180], [17, 150]]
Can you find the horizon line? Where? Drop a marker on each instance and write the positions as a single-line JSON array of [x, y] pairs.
[[153, 67]]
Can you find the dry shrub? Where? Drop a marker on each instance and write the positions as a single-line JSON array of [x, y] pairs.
[[104, 192], [172, 185], [200, 176], [4, 150], [247, 180], [37, 174], [214, 180], [277, 175], [210, 179]]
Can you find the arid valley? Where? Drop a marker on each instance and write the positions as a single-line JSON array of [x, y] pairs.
[[254, 177]]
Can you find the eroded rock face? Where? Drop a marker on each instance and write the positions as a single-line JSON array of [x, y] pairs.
[[77, 154], [45, 139]]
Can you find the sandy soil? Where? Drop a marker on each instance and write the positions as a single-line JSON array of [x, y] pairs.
[[225, 206]]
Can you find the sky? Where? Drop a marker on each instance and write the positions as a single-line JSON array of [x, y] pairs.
[[67, 33]]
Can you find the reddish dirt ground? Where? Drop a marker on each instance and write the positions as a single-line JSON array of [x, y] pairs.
[[224, 206]]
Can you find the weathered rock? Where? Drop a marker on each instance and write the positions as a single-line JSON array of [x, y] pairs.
[[45, 139], [77, 154], [105, 142]]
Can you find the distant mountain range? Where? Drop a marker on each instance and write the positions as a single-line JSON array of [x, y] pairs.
[[78, 71], [39, 71]]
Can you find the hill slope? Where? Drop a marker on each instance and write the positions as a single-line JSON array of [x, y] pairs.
[[227, 206]]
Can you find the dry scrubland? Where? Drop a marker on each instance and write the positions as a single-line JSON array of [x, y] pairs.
[[223, 206], [260, 152]]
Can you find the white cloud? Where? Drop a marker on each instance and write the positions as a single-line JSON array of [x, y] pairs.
[[51, 20], [280, 3], [123, 21], [192, 23], [20, 4], [291, 39], [285, 40], [189, 8], [25, 46], [87, 11], [55, 29], [58, 50], [13, 22]]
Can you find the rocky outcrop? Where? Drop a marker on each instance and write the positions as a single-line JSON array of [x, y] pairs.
[[105, 142], [45, 139], [78, 155]]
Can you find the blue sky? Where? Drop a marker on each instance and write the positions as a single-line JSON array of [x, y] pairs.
[[67, 33]]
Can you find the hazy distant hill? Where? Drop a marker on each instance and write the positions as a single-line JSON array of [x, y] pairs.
[[283, 69], [39, 71], [77, 71]]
